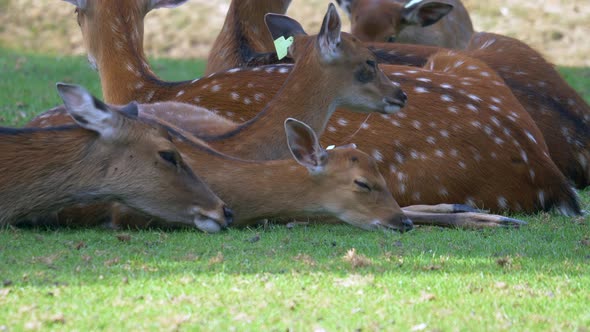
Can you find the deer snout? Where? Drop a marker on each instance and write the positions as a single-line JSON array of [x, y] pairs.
[[407, 224], [212, 221], [395, 103]]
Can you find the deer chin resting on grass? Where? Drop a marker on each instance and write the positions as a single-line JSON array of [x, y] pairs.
[[107, 156]]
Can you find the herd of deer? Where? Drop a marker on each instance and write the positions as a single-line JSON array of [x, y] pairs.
[[452, 121]]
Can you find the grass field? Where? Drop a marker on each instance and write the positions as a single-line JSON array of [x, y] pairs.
[[319, 277]]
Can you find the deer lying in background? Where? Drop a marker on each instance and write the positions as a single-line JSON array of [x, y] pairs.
[[342, 182], [491, 179], [109, 156], [443, 23], [244, 37], [559, 111]]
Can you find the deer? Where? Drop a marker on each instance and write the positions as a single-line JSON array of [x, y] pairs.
[[562, 196], [426, 22], [342, 182], [106, 156], [244, 39], [542, 92]]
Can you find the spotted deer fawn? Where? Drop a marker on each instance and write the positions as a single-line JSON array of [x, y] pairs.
[[108, 156], [443, 23]]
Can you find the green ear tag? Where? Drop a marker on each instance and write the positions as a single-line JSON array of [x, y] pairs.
[[282, 45]]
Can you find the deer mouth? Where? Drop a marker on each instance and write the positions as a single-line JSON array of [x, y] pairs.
[[392, 105]]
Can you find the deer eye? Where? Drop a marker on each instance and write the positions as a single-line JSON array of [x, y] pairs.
[[391, 39], [362, 185], [170, 157], [371, 63]]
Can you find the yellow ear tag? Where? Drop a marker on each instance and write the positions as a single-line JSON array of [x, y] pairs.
[[282, 45]]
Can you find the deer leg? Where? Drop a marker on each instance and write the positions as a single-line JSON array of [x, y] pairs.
[[467, 220], [443, 208]]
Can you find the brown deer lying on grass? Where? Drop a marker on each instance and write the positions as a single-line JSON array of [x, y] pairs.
[[559, 111], [109, 156], [412, 174], [342, 182], [443, 23]]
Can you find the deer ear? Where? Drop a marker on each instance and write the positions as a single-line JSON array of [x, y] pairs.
[[425, 13], [346, 6], [304, 146], [154, 4], [89, 112], [329, 36], [282, 26], [78, 3]]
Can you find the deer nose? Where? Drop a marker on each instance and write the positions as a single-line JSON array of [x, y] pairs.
[[229, 215], [407, 224]]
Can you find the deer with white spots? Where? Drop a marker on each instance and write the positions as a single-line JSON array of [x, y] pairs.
[[443, 23], [244, 39], [413, 169], [107, 156], [330, 72], [341, 182]]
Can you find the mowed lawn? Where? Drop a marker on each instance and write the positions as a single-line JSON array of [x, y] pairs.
[[318, 277]]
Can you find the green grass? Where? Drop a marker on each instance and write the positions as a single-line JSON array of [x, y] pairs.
[[535, 278]]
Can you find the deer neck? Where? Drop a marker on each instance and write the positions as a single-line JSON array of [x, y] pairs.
[[255, 189], [31, 188], [122, 65], [306, 95]]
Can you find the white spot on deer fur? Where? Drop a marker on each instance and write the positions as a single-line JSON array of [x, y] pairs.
[[462, 165], [233, 70], [472, 107], [258, 96], [399, 158], [532, 174], [411, 71], [524, 156], [420, 89], [583, 161], [130, 67], [487, 43], [488, 130], [205, 86], [496, 100], [541, 196], [180, 93], [453, 109], [139, 85], [234, 95], [216, 88], [446, 98], [454, 152], [472, 67], [377, 155], [331, 129], [498, 83], [197, 99], [432, 124], [414, 154], [485, 74], [396, 123], [416, 124], [465, 83], [446, 86], [401, 114], [494, 155], [443, 192], [502, 202], [402, 188], [424, 79], [439, 153], [530, 136], [494, 108], [431, 140], [284, 70], [250, 85], [364, 125], [269, 69], [495, 121], [401, 176], [498, 140], [476, 124], [398, 74], [247, 101], [150, 95], [416, 196], [256, 69], [474, 97], [343, 122]]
